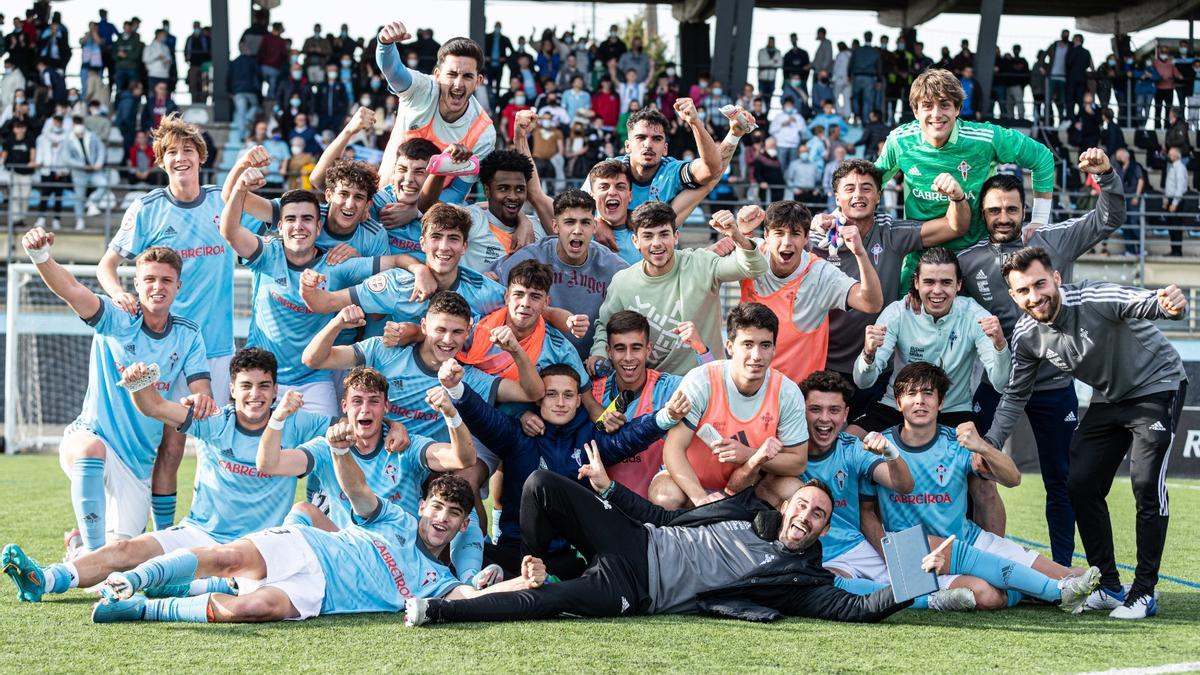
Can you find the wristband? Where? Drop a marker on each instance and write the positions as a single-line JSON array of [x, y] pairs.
[[1041, 210], [960, 199], [339, 451], [891, 452], [608, 490], [454, 422], [275, 424], [456, 392], [38, 255]]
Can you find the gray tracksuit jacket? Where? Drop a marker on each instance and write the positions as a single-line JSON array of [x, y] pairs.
[[1103, 336]]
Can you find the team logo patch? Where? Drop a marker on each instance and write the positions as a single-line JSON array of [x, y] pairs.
[[876, 251], [767, 419], [430, 577], [963, 169], [840, 476], [174, 359], [941, 474], [377, 283]]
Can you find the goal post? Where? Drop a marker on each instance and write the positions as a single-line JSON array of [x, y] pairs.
[[47, 353]]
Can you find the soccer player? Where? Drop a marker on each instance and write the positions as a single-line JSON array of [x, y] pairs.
[[1102, 335], [566, 428], [232, 499], [935, 325], [939, 142], [802, 288], [109, 450], [940, 459], [583, 269], [1052, 405], [628, 349], [747, 403], [671, 286], [501, 228], [180, 216], [279, 321], [395, 205], [441, 109], [738, 557], [658, 177], [857, 184], [400, 293], [298, 572], [393, 477]]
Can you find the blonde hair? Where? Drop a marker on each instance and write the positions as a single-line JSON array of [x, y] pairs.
[[174, 130], [936, 84]]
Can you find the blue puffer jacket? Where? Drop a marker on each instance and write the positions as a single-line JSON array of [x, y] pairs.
[[559, 449]]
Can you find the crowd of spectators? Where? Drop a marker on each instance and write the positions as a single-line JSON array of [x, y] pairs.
[[815, 103]]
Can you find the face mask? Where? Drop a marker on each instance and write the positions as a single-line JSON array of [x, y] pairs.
[[716, 91], [72, 99], [295, 102], [346, 63], [795, 82], [771, 152], [1128, 59], [670, 72], [365, 101], [900, 46], [78, 131], [331, 75], [1163, 57], [1112, 62], [546, 124], [789, 109], [412, 63], [93, 111], [1149, 62], [375, 84], [702, 114], [519, 100], [703, 84], [296, 74]]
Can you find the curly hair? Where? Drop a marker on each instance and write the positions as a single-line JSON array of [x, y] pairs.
[[828, 382], [365, 379], [532, 274], [442, 216], [504, 160], [573, 198], [451, 489], [353, 174], [449, 302], [252, 358]]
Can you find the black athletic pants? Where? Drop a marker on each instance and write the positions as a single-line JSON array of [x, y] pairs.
[[615, 582], [563, 563], [1143, 427]]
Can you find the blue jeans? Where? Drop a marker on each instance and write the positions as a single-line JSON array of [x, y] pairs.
[[245, 108], [786, 155], [1058, 97], [123, 77], [864, 95], [1132, 230], [270, 75], [1052, 415]]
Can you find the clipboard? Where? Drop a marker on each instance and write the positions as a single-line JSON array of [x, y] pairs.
[[903, 552]]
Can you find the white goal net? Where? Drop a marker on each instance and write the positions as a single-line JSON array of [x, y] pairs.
[[46, 354]]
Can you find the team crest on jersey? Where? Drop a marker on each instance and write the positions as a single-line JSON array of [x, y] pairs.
[[963, 169], [390, 472], [174, 359], [767, 420], [1083, 334], [941, 474], [951, 339], [840, 477], [430, 577], [876, 251], [577, 456], [654, 194], [377, 283]]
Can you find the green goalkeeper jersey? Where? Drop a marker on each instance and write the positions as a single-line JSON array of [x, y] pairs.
[[970, 155]]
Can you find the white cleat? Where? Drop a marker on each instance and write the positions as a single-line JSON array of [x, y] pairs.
[[1104, 599], [952, 600], [117, 586], [492, 574], [415, 612], [1136, 607], [1075, 591]]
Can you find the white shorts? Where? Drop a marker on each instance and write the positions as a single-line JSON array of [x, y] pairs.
[[218, 373], [860, 562], [320, 397], [182, 536], [292, 567], [485, 455], [1005, 548], [126, 497]]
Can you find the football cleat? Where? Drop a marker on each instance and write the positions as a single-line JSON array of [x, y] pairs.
[[25, 572], [170, 591], [114, 611], [1138, 606], [415, 612], [492, 574], [952, 600], [116, 587], [73, 543], [1105, 598], [1075, 591], [443, 165]]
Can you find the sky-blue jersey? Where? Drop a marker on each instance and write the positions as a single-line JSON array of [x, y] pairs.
[[404, 238], [939, 497], [846, 469], [367, 238], [625, 246], [673, 176], [108, 410], [408, 380], [232, 498], [394, 478], [376, 565], [279, 320], [388, 293], [192, 229]]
